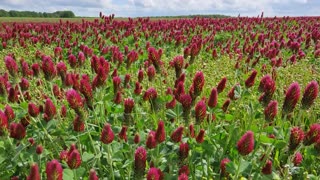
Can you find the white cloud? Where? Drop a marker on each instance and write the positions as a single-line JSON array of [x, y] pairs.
[[168, 7]]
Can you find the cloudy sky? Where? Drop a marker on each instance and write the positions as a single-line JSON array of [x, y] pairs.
[[134, 8]]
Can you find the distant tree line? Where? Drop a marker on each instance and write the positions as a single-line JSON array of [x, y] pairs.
[[57, 14]]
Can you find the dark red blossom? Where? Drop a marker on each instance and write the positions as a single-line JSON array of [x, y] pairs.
[[291, 99], [246, 143], [8, 111], [11, 65], [184, 170], [93, 175], [296, 137], [313, 135], [54, 170], [154, 174], [123, 133], [213, 99], [49, 110], [200, 111], [271, 111], [310, 94], [250, 81], [74, 99], [297, 159], [160, 133], [176, 135], [107, 134], [198, 83], [183, 151], [74, 159], [267, 168], [48, 68], [140, 158], [183, 176], [151, 141], [78, 124], [223, 166], [39, 149], [222, 84], [128, 105], [200, 137], [150, 94], [34, 173], [17, 131], [226, 105]]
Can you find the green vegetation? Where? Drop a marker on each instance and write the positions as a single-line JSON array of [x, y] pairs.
[[57, 14]]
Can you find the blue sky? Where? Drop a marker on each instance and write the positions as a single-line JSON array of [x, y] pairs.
[[135, 8]]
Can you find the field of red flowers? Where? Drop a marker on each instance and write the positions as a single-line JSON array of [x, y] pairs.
[[200, 98]]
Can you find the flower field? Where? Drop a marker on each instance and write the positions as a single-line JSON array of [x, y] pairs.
[[194, 98]]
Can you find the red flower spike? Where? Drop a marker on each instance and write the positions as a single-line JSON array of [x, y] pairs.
[[151, 140], [128, 105], [296, 137], [8, 111], [140, 158], [250, 81], [78, 124], [24, 84], [34, 173], [184, 170], [160, 133], [222, 85], [33, 110], [64, 155], [54, 170], [17, 131], [267, 168], [74, 159], [183, 177], [291, 99], [313, 135], [136, 138], [198, 83], [297, 159], [223, 166], [271, 111], [93, 175], [138, 88], [150, 94], [151, 72], [3, 122], [176, 135], [49, 110], [74, 99], [11, 66], [118, 98], [140, 76], [154, 174], [310, 94], [200, 111], [183, 151], [63, 111], [226, 105], [39, 149], [48, 68], [123, 133], [191, 131], [116, 84], [200, 137], [246, 143], [107, 134], [213, 99]]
